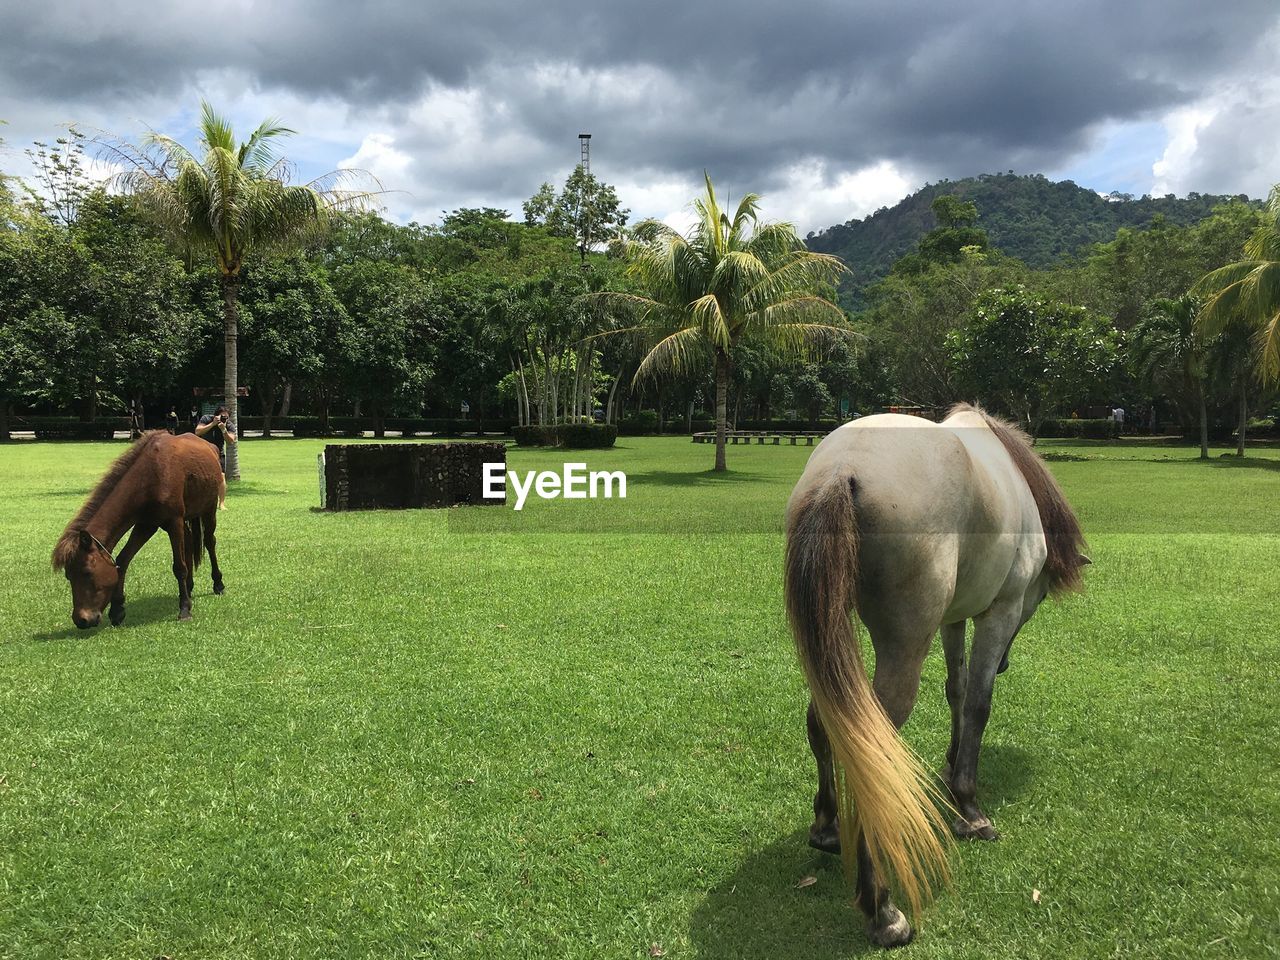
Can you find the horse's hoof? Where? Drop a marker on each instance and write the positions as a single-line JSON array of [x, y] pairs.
[[889, 928], [116, 617], [219, 589], [826, 839], [184, 614], [980, 829]]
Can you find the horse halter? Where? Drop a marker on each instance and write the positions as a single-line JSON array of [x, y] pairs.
[[103, 547]]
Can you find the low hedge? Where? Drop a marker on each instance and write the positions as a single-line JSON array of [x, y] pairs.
[[445, 426], [534, 435], [354, 426], [645, 423], [571, 436], [338, 426], [69, 428], [586, 436], [1077, 428]]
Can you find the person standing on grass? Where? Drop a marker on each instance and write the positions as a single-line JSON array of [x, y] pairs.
[[1117, 414], [215, 428]]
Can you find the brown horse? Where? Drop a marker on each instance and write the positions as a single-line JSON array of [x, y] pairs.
[[161, 482], [920, 527]]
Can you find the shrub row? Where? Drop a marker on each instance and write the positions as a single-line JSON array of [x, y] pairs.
[[69, 428], [1078, 428], [355, 426], [573, 436], [646, 423]]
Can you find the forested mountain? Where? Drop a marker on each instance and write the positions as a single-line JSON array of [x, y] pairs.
[[1030, 217]]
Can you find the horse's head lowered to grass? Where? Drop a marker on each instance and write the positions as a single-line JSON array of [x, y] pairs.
[[92, 573]]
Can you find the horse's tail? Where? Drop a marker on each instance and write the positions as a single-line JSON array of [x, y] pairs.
[[195, 540], [882, 788]]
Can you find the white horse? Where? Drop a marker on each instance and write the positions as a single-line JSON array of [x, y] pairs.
[[921, 527]]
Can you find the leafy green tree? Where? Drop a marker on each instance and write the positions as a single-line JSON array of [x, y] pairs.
[[1171, 355], [549, 333], [91, 307], [1024, 354], [1248, 292], [390, 346], [61, 180], [477, 354], [912, 312], [230, 201], [288, 314], [810, 395], [587, 210], [732, 279]]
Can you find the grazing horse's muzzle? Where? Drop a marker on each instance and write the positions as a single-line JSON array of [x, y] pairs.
[[86, 620]]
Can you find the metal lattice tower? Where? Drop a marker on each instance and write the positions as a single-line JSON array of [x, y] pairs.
[[585, 140]]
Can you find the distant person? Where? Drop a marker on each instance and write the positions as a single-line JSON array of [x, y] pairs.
[[171, 421], [1117, 416], [135, 419], [216, 428]]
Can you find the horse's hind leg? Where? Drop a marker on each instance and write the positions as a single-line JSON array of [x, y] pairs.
[[825, 833], [210, 546], [900, 652], [957, 680], [176, 530], [993, 631]]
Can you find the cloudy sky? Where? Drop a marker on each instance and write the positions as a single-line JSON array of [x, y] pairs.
[[829, 109]]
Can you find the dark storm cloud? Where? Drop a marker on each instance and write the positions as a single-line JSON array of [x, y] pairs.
[[744, 89]]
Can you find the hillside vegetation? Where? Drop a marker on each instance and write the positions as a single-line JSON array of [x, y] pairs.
[[1031, 218]]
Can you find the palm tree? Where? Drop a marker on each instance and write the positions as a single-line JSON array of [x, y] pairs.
[[1247, 293], [230, 200], [730, 279], [1171, 355]]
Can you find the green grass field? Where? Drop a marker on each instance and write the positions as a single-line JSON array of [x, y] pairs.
[[578, 732]]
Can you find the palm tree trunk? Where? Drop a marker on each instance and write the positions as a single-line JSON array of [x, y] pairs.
[[1244, 415], [722, 405], [231, 366], [609, 407], [1204, 426]]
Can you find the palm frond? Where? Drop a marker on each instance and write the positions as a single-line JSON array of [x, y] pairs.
[[803, 339], [674, 352], [215, 130], [258, 152], [709, 316], [1268, 345]]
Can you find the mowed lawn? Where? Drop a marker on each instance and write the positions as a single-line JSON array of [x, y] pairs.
[[577, 732]]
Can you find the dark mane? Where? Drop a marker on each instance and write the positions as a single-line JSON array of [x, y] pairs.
[[69, 542], [1062, 531]]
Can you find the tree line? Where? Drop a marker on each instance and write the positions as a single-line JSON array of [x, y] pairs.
[[110, 297]]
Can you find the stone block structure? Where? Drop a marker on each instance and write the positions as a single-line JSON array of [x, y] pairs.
[[395, 476]]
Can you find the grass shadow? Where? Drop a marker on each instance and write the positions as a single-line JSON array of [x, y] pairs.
[[138, 613], [239, 488], [703, 478], [758, 912], [1226, 461], [1005, 771]]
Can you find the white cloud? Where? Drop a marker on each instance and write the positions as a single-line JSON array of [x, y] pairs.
[[1184, 125], [814, 196]]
